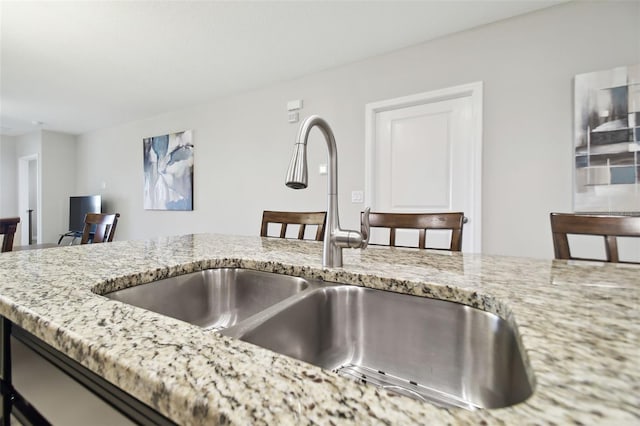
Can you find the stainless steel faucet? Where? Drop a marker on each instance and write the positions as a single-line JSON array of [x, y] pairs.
[[335, 239]]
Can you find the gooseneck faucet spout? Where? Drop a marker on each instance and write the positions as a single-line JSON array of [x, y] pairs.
[[335, 238]]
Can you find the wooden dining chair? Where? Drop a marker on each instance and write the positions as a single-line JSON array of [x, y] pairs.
[[294, 218], [608, 227], [422, 222], [99, 227], [8, 228]]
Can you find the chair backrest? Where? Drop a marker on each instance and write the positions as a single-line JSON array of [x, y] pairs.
[[423, 222], [608, 227], [294, 218], [99, 227], [8, 227]]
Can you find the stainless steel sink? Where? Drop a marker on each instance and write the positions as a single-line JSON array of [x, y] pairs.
[[432, 350], [214, 298]]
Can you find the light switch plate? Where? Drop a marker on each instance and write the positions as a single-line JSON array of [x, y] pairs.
[[357, 197]]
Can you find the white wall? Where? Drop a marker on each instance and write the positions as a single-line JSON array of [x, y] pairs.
[[243, 143], [58, 183], [56, 178], [8, 187], [28, 144]]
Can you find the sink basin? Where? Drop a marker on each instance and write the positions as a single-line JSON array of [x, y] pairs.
[[432, 350], [214, 298]]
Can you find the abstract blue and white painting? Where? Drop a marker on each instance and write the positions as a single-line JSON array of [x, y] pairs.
[[168, 172]]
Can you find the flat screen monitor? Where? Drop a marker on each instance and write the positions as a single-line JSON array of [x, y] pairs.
[[79, 207]]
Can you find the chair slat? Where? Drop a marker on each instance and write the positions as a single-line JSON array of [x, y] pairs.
[[609, 227], [8, 228], [294, 218], [102, 225], [422, 222]]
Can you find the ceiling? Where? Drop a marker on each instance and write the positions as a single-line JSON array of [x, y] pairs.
[[77, 66]]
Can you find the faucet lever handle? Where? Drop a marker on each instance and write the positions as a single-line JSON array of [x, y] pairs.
[[365, 228]]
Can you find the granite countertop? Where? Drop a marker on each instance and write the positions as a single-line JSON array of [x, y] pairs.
[[579, 324]]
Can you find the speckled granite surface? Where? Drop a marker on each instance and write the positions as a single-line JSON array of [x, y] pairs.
[[579, 324]]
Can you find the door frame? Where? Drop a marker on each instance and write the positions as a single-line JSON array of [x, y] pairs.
[[471, 90], [23, 197]]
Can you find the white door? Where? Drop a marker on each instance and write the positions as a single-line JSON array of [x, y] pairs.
[[424, 155], [28, 198]]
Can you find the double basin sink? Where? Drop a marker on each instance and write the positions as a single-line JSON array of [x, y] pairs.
[[436, 351]]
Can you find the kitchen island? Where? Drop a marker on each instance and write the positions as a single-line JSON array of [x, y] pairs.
[[578, 322]]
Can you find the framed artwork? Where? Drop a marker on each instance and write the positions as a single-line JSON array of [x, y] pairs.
[[607, 141], [168, 171]]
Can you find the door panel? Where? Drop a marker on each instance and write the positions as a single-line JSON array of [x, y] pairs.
[[414, 160]]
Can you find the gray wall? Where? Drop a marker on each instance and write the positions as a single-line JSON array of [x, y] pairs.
[[243, 143]]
